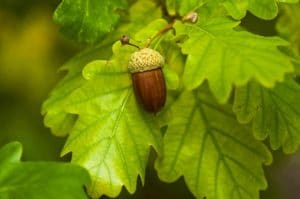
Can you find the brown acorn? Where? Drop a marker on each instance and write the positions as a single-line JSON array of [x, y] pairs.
[[148, 80]]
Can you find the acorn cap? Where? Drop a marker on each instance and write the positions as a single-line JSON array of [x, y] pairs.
[[144, 60]]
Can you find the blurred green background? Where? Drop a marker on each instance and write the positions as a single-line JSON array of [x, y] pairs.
[[32, 49]]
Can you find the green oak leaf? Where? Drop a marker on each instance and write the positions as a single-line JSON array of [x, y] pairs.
[[112, 135], [288, 26], [88, 20], [226, 57], [34, 180], [174, 59], [56, 118], [207, 146], [183, 7], [265, 9], [274, 113], [171, 78], [236, 8], [174, 64], [288, 1]]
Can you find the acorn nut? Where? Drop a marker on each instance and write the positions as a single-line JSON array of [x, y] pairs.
[[148, 80]]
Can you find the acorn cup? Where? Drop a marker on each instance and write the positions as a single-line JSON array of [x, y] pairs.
[[148, 80]]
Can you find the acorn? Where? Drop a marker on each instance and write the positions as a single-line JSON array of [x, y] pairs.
[[148, 80]]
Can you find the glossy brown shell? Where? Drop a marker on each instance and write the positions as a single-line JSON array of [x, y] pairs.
[[150, 89]]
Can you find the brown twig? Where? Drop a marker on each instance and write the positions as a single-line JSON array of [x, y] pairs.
[[164, 30], [191, 17]]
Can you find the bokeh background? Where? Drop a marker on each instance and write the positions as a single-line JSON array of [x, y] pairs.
[[31, 51]]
